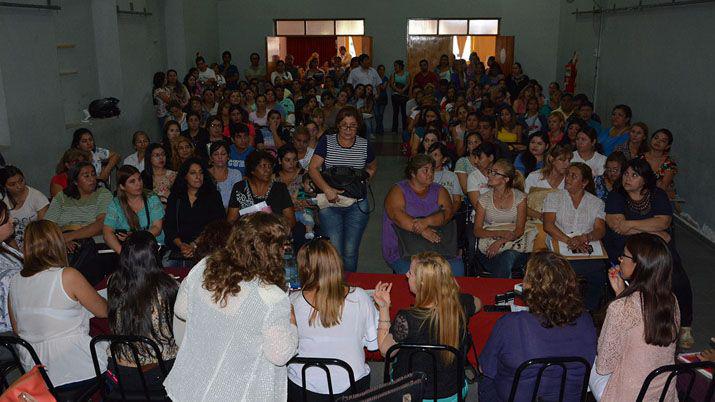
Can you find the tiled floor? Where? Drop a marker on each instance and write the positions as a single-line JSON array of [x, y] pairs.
[[698, 256]]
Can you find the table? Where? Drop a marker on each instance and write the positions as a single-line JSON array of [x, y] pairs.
[[480, 325], [485, 289]]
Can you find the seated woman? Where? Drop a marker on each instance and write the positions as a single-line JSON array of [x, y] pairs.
[[555, 325], [552, 175], [611, 178], [575, 216], [432, 136], [50, 304], [224, 177], [467, 163], [509, 130], [418, 205], [556, 128], [617, 134], [429, 117], [141, 300], [103, 159], [26, 204], [156, 177], [10, 264], [658, 157], [639, 206], [181, 151], [641, 327], [334, 321], [273, 135], [440, 316], [237, 317], [445, 177], [79, 211], [133, 209], [533, 157], [637, 143], [500, 221], [301, 142], [198, 135], [140, 141], [259, 186], [172, 132], [585, 152], [300, 189], [193, 203], [71, 157], [573, 126]]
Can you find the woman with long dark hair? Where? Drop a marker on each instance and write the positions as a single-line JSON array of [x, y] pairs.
[[193, 203], [25, 203], [104, 160], [533, 157], [641, 327], [156, 176], [141, 300]]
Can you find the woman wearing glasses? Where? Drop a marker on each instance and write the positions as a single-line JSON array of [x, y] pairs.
[[639, 206], [344, 225], [500, 221]]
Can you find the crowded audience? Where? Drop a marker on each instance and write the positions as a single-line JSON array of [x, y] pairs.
[[257, 165]]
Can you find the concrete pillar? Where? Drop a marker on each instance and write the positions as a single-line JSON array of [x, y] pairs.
[[175, 35], [106, 44], [4, 124]]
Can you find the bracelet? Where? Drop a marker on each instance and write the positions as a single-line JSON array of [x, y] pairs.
[[385, 321]]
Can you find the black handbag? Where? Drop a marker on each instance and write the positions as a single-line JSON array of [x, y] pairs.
[[352, 182], [411, 243]]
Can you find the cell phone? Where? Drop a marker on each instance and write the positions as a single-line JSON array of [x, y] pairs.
[[489, 308]]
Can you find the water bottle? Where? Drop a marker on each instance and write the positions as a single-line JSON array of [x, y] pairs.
[[291, 270]]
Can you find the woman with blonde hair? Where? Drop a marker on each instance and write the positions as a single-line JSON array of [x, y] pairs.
[[555, 325], [500, 221], [334, 321], [551, 176], [181, 151], [440, 316], [50, 305], [238, 335]]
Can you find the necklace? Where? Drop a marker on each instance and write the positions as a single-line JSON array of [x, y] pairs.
[[641, 207]]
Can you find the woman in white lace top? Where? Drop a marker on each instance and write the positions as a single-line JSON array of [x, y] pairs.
[[238, 332]]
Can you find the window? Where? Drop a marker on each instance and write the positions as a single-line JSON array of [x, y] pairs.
[[453, 26], [319, 27]]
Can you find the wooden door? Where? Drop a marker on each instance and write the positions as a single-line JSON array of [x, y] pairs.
[[426, 47], [504, 52]]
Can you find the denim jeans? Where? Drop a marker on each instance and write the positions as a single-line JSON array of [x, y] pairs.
[[399, 104], [379, 116], [503, 263], [369, 125], [344, 227], [402, 265]]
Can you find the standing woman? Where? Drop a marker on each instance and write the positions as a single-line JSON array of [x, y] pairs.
[[24, 202], [641, 327], [104, 160], [344, 225], [658, 157], [533, 157], [161, 97], [194, 203], [334, 320], [500, 220], [237, 314], [400, 83], [10, 264], [617, 134], [50, 305], [224, 177], [140, 140], [156, 177], [637, 143], [133, 209]]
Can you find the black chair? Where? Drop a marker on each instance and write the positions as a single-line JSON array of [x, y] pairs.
[[409, 387], [12, 343], [323, 364], [545, 363], [433, 351], [132, 343], [677, 370]]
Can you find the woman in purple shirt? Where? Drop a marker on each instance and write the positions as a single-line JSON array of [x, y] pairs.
[[555, 325]]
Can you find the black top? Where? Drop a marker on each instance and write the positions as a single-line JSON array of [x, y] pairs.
[[656, 203], [277, 197], [410, 328], [200, 141], [186, 221]]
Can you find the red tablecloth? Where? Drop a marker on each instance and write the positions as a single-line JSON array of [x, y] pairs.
[[485, 289]]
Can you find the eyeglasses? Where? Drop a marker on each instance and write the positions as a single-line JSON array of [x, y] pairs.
[[352, 127], [622, 256], [492, 172]]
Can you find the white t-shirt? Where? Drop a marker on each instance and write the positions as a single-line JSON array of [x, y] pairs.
[[27, 213], [207, 75], [448, 180], [99, 155], [133, 160], [365, 77], [574, 221], [534, 179], [597, 162], [476, 181], [345, 341], [306, 159], [258, 121], [286, 76]]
